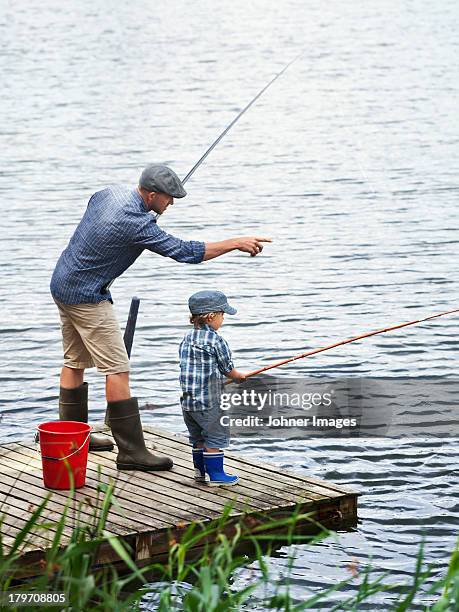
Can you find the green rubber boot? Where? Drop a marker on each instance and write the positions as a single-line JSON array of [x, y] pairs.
[[124, 420], [73, 406]]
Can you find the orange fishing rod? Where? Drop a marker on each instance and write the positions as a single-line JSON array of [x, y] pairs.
[[348, 341]]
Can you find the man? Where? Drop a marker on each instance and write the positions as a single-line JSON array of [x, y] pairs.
[[116, 227]]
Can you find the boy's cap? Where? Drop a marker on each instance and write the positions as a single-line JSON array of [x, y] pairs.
[[203, 302], [158, 177]]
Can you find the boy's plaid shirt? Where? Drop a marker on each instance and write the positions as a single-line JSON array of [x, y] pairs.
[[205, 358]]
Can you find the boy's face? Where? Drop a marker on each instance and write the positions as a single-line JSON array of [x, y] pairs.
[[217, 321]]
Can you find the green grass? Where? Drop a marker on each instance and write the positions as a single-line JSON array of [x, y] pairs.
[[206, 583]]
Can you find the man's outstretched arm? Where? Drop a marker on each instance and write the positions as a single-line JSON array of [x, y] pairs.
[[154, 238], [247, 244]]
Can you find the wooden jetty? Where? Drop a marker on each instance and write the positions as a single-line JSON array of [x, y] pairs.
[[154, 508]]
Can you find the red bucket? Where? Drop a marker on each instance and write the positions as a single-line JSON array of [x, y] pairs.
[[64, 449]]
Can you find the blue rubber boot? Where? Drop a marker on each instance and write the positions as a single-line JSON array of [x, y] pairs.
[[198, 462], [215, 474]]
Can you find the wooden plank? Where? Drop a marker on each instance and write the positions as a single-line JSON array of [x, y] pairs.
[[180, 488], [219, 508], [16, 518], [87, 494], [145, 481], [75, 511], [183, 466], [279, 484], [174, 485], [155, 546], [280, 487], [35, 494], [126, 485], [249, 482], [279, 480], [254, 491], [153, 508], [296, 476], [114, 523], [154, 435]]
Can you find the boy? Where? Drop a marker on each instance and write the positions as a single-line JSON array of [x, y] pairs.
[[205, 358]]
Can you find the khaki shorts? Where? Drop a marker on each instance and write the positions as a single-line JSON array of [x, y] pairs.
[[92, 337]]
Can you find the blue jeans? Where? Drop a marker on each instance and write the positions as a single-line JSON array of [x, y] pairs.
[[204, 426]]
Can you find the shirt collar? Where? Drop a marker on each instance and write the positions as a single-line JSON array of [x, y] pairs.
[[139, 200], [207, 327]]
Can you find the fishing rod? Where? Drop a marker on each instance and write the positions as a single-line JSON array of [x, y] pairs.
[[227, 129], [348, 341], [236, 119]]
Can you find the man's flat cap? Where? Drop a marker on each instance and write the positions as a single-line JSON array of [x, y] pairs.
[[158, 177]]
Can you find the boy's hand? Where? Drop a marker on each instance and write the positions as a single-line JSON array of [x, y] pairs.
[[236, 376]]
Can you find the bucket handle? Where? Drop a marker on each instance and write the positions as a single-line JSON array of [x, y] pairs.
[[67, 456]]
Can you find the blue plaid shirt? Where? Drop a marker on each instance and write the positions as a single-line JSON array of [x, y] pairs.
[[205, 358], [113, 232]]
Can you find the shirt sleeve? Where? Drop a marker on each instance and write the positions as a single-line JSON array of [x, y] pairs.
[[153, 238], [224, 357]]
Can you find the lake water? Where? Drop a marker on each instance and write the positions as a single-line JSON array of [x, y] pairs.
[[349, 162]]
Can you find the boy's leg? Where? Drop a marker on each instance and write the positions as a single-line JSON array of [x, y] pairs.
[[198, 462], [217, 437], [193, 425], [195, 436]]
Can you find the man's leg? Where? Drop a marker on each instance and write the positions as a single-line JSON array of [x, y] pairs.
[[124, 420], [71, 377], [73, 392], [73, 405], [117, 387], [101, 336]]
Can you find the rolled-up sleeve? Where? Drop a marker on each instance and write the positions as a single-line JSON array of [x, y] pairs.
[[224, 357], [153, 238]]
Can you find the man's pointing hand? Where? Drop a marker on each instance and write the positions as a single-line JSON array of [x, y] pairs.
[[247, 244], [251, 244]]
